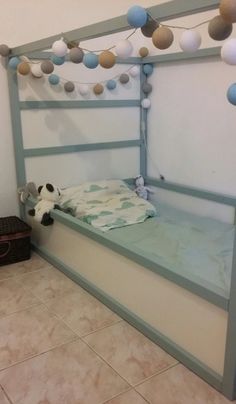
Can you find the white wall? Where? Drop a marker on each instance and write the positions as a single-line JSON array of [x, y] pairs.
[[191, 124]]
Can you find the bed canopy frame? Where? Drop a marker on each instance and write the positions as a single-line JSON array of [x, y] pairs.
[[225, 382]]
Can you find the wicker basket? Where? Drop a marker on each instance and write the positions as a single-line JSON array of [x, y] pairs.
[[14, 240]]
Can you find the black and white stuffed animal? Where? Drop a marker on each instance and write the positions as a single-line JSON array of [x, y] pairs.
[[49, 196]]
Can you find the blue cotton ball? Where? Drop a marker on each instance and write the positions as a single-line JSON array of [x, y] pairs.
[[111, 84], [147, 69], [231, 94], [14, 62], [57, 60], [54, 79], [90, 60], [137, 16]]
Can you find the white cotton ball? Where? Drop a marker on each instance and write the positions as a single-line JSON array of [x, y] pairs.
[[146, 103], [83, 89], [59, 48], [124, 48], [134, 71], [228, 52], [36, 70], [190, 40]]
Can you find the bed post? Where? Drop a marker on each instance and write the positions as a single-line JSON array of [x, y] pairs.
[[143, 128], [17, 131], [229, 377]]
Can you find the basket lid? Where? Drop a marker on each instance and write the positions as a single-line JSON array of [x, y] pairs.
[[12, 225]]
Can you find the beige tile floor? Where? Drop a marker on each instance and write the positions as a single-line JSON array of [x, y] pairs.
[[59, 345]]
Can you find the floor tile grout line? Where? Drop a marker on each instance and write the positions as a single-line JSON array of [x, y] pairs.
[[102, 328], [17, 275], [145, 399], [58, 317], [120, 394], [20, 284], [108, 326], [115, 396], [132, 385], [110, 366], [40, 353], [20, 310], [6, 394], [13, 277], [64, 321], [155, 374]]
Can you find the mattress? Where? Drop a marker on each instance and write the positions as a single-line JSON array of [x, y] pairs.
[[198, 248]]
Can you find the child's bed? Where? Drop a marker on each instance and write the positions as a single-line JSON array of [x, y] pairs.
[[168, 275]]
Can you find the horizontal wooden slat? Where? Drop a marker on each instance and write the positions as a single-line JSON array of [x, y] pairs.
[[195, 192], [48, 151], [162, 12], [178, 56], [25, 105]]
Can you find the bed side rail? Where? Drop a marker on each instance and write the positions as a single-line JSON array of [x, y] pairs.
[[195, 192]]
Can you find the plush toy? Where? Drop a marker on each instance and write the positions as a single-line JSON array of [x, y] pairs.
[[141, 190], [49, 196], [28, 190]]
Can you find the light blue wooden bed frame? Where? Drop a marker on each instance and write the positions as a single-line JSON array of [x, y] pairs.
[[172, 9]]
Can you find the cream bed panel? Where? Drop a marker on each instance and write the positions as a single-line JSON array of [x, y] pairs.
[[191, 322]]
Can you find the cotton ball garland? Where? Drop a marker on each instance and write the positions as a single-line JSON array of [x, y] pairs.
[[4, 50], [54, 79], [83, 89], [23, 68], [111, 84], [107, 59], [149, 28], [14, 62], [137, 16], [58, 60], [69, 86], [59, 48], [36, 71], [76, 55], [143, 52], [190, 40], [228, 52], [162, 38], [124, 48], [147, 88], [146, 103], [98, 89], [148, 69], [228, 10], [90, 60], [134, 71], [219, 29], [47, 67], [124, 78], [231, 94]]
